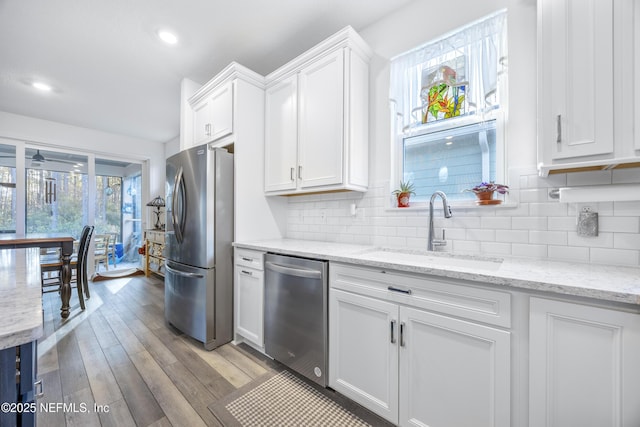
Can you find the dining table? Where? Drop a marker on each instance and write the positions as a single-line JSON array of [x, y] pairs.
[[63, 241]]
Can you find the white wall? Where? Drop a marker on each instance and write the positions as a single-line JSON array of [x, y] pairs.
[[536, 226], [59, 135]]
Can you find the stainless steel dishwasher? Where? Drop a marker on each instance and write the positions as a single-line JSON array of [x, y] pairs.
[[295, 314]]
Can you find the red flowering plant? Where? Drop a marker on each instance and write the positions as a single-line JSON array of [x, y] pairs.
[[489, 187]]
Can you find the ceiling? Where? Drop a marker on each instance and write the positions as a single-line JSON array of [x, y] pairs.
[[110, 72]]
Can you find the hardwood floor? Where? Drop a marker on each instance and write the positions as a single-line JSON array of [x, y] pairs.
[[119, 356]]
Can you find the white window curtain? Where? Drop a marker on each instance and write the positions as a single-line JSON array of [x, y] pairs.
[[478, 51]]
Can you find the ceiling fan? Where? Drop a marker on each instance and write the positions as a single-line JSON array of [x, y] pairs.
[[37, 159]]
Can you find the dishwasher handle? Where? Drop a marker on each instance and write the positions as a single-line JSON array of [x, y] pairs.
[[290, 271]]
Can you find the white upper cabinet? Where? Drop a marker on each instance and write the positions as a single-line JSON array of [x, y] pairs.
[[585, 101], [321, 116], [213, 114], [316, 130], [281, 135]]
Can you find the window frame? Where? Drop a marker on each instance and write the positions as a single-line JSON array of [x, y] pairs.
[[399, 133]]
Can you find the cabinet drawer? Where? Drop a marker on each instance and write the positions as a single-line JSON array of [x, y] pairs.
[[249, 258], [446, 296]]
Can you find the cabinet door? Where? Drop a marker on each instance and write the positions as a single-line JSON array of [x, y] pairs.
[[281, 135], [452, 372], [202, 122], [249, 297], [584, 368], [321, 133], [213, 115], [221, 111], [575, 101], [363, 352]]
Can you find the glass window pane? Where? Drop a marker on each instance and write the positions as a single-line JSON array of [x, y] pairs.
[[56, 192], [450, 160], [117, 209], [7, 188]]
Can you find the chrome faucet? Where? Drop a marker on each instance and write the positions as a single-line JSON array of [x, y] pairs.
[[447, 214]]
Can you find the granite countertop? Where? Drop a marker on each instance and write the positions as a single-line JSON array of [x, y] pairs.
[[601, 282], [20, 297]]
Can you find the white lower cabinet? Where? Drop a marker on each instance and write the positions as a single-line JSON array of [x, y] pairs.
[[363, 356], [584, 365], [452, 372], [415, 367], [249, 296]]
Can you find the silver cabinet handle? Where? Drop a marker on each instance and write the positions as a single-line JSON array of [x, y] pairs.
[[247, 259], [404, 291], [248, 273], [559, 128], [291, 174], [299, 172], [393, 328], [401, 334], [207, 129], [38, 389]]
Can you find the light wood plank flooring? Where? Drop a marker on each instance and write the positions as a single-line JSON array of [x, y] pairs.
[[120, 355]]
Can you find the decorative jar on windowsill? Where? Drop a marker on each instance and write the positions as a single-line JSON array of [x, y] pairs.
[[485, 190]]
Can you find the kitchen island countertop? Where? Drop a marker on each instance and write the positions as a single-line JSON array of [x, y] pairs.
[[20, 297], [601, 282]]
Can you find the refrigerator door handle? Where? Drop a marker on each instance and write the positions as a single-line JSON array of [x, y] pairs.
[[298, 272], [182, 273], [178, 225]]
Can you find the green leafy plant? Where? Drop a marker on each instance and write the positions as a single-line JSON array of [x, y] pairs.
[[405, 187]]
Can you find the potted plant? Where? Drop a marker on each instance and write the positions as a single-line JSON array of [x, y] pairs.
[[403, 194], [484, 192]]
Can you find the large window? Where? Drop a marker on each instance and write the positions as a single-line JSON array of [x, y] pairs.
[[7, 189], [449, 99], [56, 193]]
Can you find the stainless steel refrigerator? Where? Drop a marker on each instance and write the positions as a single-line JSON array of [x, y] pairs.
[[198, 295]]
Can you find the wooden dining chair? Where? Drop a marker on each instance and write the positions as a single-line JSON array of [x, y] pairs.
[[53, 263], [101, 252]]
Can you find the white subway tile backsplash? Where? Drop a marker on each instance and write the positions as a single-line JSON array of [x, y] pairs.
[[620, 224], [548, 209], [568, 253], [529, 223], [603, 240], [588, 178], [626, 241], [532, 225], [548, 237], [481, 234], [495, 248], [561, 223], [530, 251], [534, 195], [615, 257], [496, 222], [626, 176], [626, 208], [465, 246], [512, 236]]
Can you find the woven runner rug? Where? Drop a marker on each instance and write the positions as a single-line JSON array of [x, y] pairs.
[[282, 399]]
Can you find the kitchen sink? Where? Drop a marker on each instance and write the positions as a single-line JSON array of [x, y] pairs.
[[431, 259]]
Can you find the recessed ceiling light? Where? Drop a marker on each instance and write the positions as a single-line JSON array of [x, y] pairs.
[[167, 37], [41, 86]]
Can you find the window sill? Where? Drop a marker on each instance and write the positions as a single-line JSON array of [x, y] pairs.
[[467, 206]]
